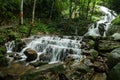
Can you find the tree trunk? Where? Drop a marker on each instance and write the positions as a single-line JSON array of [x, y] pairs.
[[21, 13], [87, 10], [70, 9], [51, 10], [32, 22], [94, 3]]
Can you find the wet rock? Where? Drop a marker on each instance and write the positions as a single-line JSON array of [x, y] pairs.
[[62, 76], [81, 67], [114, 57], [88, 62], [2, 76], [44, 57], [17, 57], [93, 53], [99, 76], [31, 54], [113, 29], [108, 45], [36, 73], [91, 43], [19, 45], [37, 64], [101, 28], [114, 74], [85, 52], [116, 36], [100, 67]]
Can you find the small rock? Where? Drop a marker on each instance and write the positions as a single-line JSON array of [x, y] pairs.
[[100, 67], [100, 76]]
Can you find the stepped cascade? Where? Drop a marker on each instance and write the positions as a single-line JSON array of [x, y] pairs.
[[56, 48], [100, 27]]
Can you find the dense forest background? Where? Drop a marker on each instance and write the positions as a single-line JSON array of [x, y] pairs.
[[54, 16]]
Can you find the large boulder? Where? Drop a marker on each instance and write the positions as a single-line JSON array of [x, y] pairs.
[[116, 36], [108, 45], [34, 74], [31, 54], [114, 57], [114, 74], [113, 29]]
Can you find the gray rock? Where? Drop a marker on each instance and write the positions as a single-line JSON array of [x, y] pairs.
[[114, 73], [114, 57], [108, 45], [34, 74], [116, 36]]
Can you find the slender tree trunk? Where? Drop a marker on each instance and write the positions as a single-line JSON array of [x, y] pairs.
[[21, 13], [87, 10], [33, 16], [83, 7], [51, 10], [70, 9], [94, 3]]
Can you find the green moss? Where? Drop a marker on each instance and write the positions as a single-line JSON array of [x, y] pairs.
[[116, 21]]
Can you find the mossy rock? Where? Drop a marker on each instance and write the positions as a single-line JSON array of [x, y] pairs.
[[114, 74], [108, 45], [94, 53], [91, 43], [113, 29], [114, 57]]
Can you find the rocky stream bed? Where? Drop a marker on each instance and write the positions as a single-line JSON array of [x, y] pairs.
[[101, 62]]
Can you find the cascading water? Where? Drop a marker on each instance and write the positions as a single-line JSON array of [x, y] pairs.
[[9, 46], [59, 48], [100, 27], [56, 48]]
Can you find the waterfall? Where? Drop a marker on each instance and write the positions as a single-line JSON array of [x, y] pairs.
[[9, 46], [100, 27], [57, 48]]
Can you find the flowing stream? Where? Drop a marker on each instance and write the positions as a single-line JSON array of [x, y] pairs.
[[59, 48], [56, 48], [100, 27]]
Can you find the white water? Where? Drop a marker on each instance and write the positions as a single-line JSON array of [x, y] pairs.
[[58, 48], [104, 23], [9, 45]]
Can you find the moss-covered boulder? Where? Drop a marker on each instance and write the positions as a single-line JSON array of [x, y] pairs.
[[113, 29], [108, 45], [114, 74], [114, 57], [40, 72], [116, 36], [94, 53]]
